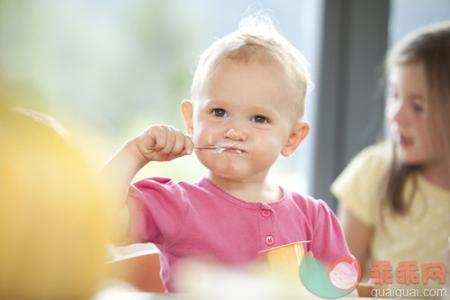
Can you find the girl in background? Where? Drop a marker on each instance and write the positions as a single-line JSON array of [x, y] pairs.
[[395, 196]]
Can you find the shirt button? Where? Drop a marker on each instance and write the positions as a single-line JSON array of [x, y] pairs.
[[266, 213], [269, 240]]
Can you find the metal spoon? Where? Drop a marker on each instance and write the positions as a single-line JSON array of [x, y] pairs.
[[209, 147]]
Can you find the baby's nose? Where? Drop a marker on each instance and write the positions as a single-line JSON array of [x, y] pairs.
[[235, 134]]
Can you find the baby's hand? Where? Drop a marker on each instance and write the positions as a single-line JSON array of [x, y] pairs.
[[162, 143]]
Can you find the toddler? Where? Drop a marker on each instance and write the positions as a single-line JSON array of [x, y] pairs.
[[246, 108]]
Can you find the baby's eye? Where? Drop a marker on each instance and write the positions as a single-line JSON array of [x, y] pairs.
[[218, 112], [260, 119]]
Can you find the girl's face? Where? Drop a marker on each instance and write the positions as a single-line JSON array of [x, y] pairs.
[[407, 116], [247, 110]]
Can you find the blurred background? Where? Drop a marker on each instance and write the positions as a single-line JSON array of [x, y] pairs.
[[112, 68]]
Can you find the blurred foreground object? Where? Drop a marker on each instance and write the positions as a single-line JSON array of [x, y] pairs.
[[281, 273], [139, 269], [205, 280], [53, 219]]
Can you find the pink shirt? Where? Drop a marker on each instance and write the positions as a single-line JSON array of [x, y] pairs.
[[200, 219]]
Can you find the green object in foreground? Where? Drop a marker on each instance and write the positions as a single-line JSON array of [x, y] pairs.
[[314, 277]]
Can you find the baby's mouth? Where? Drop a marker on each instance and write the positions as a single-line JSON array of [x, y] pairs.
[[230, 149]]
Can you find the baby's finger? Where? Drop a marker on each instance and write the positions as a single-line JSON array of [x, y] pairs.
[[170, 141], [147, 141], [179, 143], [160, 135], [188, 145]]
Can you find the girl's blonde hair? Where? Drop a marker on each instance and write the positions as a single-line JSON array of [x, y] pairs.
[[430, 48], [256, 39], [53, 218]]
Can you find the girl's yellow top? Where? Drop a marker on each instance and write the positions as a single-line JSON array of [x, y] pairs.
[[421, 235]]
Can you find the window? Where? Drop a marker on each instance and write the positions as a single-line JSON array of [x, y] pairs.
[[122, 65]]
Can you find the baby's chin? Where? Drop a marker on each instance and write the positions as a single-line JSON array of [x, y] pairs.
[[226, 174], [216, 169]]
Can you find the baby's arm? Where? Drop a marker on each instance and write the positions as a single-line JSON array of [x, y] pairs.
[[158, 143]]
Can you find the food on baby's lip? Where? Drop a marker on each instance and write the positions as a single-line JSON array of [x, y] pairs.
[[224, 148]]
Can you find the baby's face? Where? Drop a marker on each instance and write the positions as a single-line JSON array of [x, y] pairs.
[[248, 110]]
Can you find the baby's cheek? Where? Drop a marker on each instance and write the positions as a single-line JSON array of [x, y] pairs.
[[262, 160], [202, 156], [269, 150], [203, 137]]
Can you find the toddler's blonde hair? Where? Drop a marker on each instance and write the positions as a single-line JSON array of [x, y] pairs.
[[256, 39]]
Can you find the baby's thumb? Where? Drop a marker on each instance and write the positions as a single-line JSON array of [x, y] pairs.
[[188, 145]]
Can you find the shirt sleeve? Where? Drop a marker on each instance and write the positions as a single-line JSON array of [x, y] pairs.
[[158, 208], [328, 243], [358, 186]]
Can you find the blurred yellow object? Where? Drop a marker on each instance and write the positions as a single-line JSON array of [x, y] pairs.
[[283, 265], [53, 219], [285, 260]]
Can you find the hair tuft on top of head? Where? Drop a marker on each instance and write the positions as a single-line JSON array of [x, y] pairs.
[[259, 23], [256, 39]]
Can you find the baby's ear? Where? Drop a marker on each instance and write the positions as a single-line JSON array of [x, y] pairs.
[[296, 136], [187, 111]]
